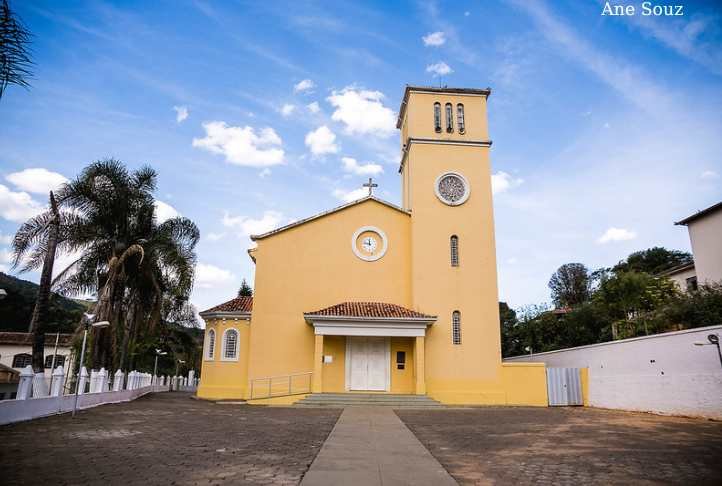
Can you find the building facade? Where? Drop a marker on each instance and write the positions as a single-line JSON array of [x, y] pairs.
[[375, 297]]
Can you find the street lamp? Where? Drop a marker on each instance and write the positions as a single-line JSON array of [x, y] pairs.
[[87, 319], [158, 352], [714, 341]]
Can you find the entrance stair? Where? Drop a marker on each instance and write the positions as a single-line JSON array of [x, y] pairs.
[[342, 400]]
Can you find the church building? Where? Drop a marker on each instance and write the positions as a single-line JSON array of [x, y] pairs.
[[375, 297]]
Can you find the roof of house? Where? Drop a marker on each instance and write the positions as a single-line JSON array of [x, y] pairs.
[[9, 375], [326, 213], [699, 214], [430, 89], [25, 339], [677, 269], [379, 310], [234, 307]]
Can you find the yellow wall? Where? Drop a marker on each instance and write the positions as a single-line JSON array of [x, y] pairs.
[[584, 377], [312, 266], [225, 379], [402, 381], [334, 373], [525, 384]]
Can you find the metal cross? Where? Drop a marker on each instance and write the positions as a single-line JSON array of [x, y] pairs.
[[370, 184]]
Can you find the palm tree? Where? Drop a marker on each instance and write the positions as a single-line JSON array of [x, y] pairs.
[[15, 60], [124, 254]]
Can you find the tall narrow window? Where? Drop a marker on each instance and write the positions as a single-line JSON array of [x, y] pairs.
[[454, 247], [460, 118], [449, 118], [437, 117], [456, 327], [211, 346], [230, 344], [22, 360]]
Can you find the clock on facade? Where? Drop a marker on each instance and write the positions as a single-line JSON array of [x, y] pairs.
[[452, 188], [369, 243]]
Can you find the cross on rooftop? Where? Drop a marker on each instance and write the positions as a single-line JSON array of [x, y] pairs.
[[370, 184]]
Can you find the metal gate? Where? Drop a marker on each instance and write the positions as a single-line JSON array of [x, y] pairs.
[[564, 387]]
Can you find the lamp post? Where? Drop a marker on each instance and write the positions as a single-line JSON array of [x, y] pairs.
[[87, 319], [158, 352], [3, 294], [714, 341], [177, 366]]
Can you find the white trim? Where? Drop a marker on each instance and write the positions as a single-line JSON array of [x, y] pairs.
[[378, 328], [347, 372], [206, 351], [467, 189], [370, 229], [223, 344]]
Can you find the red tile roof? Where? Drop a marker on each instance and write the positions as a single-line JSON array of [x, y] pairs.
[[239, 304], [25, 339], [369, 310]]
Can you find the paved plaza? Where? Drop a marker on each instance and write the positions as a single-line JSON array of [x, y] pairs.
[[169, 438], [574, 446]]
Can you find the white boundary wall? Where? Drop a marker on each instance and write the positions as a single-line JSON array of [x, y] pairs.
[[19, 410], [663, 373]]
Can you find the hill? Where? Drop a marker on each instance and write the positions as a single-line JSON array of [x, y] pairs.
[[17, 308]]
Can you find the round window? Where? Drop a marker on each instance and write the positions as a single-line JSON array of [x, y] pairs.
[[452, 188]]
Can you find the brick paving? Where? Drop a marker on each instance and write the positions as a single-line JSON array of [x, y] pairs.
[[572, 446], [166, 438]]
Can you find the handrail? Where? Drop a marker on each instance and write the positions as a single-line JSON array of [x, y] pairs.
[[266, 384]]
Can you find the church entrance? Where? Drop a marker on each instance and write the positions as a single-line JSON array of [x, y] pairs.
[[367, 363]]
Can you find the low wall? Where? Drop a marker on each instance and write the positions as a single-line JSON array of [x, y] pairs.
[[664, 373], [19, 410], [525, 384]]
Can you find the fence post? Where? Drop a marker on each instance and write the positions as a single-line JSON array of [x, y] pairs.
[[40, 386], [118, 380], [58, 380], [102, 380], [83, 380], [25, 385]]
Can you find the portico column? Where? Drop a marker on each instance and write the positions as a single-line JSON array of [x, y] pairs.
[[420, 366], [317, 386]]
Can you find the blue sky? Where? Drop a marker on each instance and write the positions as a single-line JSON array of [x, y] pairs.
[[606, 130]]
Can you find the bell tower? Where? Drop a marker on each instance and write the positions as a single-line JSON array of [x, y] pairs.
[[446, 185]]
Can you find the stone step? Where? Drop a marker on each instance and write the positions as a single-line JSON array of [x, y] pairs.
[[340, 400]]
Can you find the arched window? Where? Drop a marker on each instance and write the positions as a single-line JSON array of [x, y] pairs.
[[211, 344], [456, 327], [437, 117], [59, 361], [22, 360], [460, 118], [454, 248], [230, 345], [449, 118]]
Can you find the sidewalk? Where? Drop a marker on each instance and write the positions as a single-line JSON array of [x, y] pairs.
[[371, 446]]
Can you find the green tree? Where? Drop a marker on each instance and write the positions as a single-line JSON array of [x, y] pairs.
[[245, 290], [570, 285], [15, 60], [509, 334], [653, 260]]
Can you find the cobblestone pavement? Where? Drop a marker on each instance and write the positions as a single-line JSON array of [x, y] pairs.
[[165, 438], [569, 446]]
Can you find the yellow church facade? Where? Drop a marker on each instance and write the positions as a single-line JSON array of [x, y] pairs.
[[377, 298]]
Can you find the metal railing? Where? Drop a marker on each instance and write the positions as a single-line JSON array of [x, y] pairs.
[[281, 386]]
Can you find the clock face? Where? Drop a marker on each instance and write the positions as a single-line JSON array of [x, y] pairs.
[[369, 243]]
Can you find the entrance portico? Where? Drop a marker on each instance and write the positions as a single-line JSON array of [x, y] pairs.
[[370, 347]]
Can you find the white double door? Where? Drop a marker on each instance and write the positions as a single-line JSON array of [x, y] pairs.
[[368, 363]]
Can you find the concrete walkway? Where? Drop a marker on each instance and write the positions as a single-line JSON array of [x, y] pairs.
[[371, 446]]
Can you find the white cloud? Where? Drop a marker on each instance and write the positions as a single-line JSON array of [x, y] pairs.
[[242, 146], [37, 180], [181, 113], [352, 166], [17, 206], [264, 173], [6, 260], [321, 141], [249, 226], [362, 112], [709, 174], [303, 86], [502, 182], [208, 276], [353, 195], [287, 109], [313, 107], [164, 211], [5, 239], [439, 69], [434, 39], [616, 234], [215, 236]]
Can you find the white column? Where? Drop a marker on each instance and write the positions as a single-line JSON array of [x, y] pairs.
[[191, 377], [102, 380], [83, 380], [93, 381], [40, 386], [25, 385], [118, 380], [131, 380], [58, 380]]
